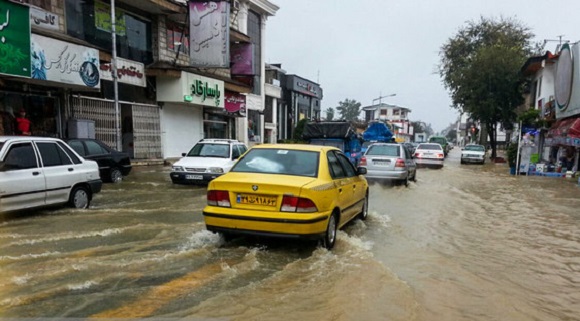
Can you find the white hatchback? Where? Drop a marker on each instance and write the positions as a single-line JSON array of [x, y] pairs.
[[42, 171], [208, 159]]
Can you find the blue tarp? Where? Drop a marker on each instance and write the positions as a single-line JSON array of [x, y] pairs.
[[378, 131]]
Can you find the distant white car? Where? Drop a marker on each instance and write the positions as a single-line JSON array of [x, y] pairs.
[[42, 171], [207, 160], [473, 153], [429, 154]]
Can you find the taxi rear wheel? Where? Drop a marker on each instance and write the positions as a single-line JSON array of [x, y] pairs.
[[365, 211], [330, 235]]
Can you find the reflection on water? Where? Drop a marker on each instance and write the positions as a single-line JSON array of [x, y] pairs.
[[463, 243]]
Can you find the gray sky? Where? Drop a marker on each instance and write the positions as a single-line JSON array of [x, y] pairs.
[[367, 48]]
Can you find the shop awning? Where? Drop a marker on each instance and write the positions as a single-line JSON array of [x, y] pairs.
[[565, 132]]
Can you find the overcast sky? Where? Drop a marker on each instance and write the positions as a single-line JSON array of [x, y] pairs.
[[367, 48]]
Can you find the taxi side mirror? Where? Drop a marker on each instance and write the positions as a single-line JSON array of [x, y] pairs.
[[361, 170]]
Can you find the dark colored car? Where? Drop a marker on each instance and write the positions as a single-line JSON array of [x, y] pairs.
[[113, 165]]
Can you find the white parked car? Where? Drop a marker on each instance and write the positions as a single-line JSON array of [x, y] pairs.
[[430, 155], [473, 153], [42, 171], [208, 159]]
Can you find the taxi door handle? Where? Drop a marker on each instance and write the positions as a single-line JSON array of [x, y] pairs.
[[71, 169], [340, 190], [35, 173]]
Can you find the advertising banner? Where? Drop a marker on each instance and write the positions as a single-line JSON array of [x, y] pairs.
[[14, 39], [242, 58], [129, 72], [209, 33], [64, 62]]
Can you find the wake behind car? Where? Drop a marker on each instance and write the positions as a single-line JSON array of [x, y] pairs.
[[42, 171], [473, 153], [207, 160], [289, 191], [429, 155], [113, 165]]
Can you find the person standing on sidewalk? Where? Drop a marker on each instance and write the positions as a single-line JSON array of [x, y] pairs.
[[22, 124]]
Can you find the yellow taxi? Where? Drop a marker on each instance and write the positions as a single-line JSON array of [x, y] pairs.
[[288, 190]]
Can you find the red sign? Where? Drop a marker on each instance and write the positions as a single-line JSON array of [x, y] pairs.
[[235, 103]]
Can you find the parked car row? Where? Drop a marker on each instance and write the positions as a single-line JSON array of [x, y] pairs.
[[43, 171]]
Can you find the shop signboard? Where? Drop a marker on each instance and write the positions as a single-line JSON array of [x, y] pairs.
[[567, 93], [44, 19], [209, 33], [235, 103], [63, 62], [242, 57], [129, 72], [103, 19], [14, 39], [191, 89]]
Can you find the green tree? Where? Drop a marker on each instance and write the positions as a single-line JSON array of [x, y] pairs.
[[297, 134], [349, 109], [329, 113], [480, 67]]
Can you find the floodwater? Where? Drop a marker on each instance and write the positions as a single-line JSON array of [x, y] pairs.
[[466, 242]]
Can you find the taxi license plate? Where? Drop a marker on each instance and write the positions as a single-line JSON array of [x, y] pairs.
[[193, 177], [256, 200]]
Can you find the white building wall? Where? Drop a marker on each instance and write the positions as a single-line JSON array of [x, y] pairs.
[[181, 128]]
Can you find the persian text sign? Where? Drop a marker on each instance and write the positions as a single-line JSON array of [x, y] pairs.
[[235, 102], [129, 72], [64, 62], [14, 39], [204, 91], [209, 34], [44, 19]]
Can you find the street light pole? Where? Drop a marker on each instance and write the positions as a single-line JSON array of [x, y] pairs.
[[114, 74], [380, 98]]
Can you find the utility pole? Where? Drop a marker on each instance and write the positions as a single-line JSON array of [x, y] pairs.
[[114, 74]]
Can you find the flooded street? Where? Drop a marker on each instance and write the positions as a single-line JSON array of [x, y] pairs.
[[466, 242]]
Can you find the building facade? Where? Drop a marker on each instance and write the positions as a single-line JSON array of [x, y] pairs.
[[396, 116], [167, 93]]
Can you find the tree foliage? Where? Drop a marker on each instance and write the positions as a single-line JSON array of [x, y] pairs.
[[349, 109], [329, 113], [422, 127], [480, 67]]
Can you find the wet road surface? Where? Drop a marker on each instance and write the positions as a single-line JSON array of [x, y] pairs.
[[466, 242]]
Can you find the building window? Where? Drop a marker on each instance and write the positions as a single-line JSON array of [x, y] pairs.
[[175, 36], [44, 4], [255, 34], [396, 112], [383, 112], [133, 33], [254, 126]]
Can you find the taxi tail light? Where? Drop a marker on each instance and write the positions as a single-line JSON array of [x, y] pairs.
[[418, 155], [297, 204], [400, 163], [363, 161], [440, 155], [218, 198]]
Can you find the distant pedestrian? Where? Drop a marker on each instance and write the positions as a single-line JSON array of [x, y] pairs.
[[22, 124]]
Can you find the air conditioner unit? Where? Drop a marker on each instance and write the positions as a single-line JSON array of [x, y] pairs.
[[235, 4]]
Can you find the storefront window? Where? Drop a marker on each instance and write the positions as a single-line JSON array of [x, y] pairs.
[[42, 111], [254, 126], [215, 126], [44, 4], [175, 36]]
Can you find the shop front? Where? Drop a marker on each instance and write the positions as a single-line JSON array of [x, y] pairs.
[[39, 74], [192, 108]]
